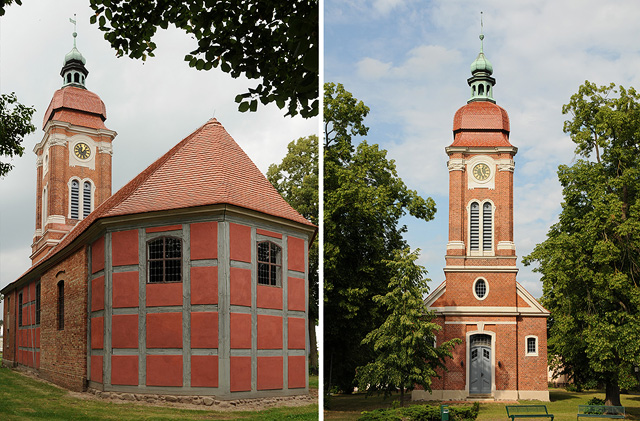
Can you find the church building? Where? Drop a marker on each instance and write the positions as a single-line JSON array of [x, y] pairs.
[[503, 354], [190, 280]]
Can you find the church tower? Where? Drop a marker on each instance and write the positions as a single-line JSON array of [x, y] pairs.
[[73, 159], [502, 327]]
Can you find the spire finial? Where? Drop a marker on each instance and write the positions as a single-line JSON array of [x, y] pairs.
[[75, 34], [481, 34]]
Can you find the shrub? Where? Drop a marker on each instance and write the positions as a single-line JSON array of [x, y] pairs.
[[422, 413]]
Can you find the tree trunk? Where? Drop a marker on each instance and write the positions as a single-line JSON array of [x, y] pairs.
[[612, 390], [313, 349], [401, 397]]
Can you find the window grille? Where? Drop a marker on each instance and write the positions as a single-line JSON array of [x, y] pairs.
[[475, 226], [164, 260], [38, 303], [86, 199], [75, 198], [531, 345], [481, 339], [61, 305], [269, 263], [20, 309], [480, 288], [486, 226]]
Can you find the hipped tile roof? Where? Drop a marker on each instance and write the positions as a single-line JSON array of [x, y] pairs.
[[481, 123], [206, 168], [77, 106]]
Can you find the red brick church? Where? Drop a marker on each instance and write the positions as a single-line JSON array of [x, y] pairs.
[[190, 280], [503, 354]]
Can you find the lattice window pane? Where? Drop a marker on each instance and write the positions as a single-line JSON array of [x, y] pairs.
[[269, 263], [481, 288], [263, 273], [474, 242], [531, 345], [173, 270], [263, 252], [75, 198], [165, 260]]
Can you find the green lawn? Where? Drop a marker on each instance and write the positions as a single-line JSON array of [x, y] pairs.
[[563, 405], [24, 398]]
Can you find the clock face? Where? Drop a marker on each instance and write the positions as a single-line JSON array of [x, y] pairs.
[[481, 172], [82, 150]]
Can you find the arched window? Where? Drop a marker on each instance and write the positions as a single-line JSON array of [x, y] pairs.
[[481, 228], [68, 77], [269, 263], [487, 219], [164, 260], [86, 199], [474, 242], [481, 90], [75, 198], [76, 77], [61, 305]]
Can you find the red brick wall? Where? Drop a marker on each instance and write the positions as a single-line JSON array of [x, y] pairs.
[[63, 360], [532, 369]]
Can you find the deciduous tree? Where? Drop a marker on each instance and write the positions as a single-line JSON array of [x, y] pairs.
[[590, 261], [272, 40], [15, 124], [364, 200], [296, 178], [405, 355]]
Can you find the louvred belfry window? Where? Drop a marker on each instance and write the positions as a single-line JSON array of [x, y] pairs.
[[269, 263], [164, 260], [86, 199], [480, 228], [75, 199]]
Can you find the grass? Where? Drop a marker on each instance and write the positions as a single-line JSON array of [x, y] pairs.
[[564, 405], [25, 398]]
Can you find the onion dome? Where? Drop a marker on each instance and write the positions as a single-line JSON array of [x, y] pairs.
[[73, 71], [481, 82]]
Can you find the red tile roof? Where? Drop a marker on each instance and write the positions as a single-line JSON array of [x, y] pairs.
[[76, 102], [206, 168], [481, 123]]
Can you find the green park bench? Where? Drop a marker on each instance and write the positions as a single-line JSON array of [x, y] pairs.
[[600, 411], [528, 411]]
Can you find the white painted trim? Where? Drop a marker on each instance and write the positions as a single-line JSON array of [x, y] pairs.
[[455, 164], [480, 150], [493, 269], [437, 293], [456, 245], [506, 395], [526, 346], [528, 298], [481, 310], [472, 182], [506, 245]]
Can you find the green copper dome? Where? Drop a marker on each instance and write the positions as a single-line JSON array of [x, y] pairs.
[[74, 54], [481, 64]]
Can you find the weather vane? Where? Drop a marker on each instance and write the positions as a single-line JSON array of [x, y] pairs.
[[481, 34], [75, 34]]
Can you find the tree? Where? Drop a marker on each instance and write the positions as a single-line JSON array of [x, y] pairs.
[[590, 261], [364, 200], [274, 40], [404, 343], [296, 178], [15, 124]]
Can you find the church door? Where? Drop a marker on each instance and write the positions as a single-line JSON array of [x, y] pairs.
[[480, 364]]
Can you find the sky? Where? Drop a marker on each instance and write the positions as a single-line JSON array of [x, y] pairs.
[[409, 60], [151, 105]]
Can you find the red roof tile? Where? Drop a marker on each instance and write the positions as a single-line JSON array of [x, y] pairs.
[[76, 101], [206, 168], [481, 123]]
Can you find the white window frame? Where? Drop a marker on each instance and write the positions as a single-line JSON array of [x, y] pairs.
[[81, 196], [481, 251], [526, 346], [486, 284]]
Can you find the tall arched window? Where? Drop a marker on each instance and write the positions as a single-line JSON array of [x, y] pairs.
[[164, 260], [86, 199], [75, 199], [481, 228], [61, 305], [269, 263]]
